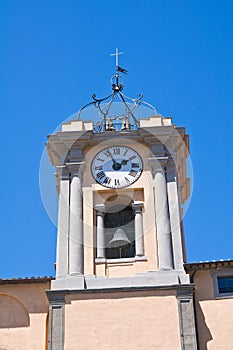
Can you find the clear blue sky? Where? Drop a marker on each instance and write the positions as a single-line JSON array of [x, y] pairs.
[[55, 54]]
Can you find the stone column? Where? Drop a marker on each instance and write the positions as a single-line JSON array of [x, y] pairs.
[[162, 213], [175, 219], [139, 246], [76, 223], [100, 230], [63, 223]]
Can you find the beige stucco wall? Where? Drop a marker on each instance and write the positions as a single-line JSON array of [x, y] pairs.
[[214, 315], [124, 320], [23, 316]]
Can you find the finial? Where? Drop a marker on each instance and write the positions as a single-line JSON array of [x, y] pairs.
[[125, 118], [118, 86], [117, 53]]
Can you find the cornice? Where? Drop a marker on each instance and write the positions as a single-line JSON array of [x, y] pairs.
[[206, 265]]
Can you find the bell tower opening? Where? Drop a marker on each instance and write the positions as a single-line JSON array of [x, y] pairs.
[[119, 230]]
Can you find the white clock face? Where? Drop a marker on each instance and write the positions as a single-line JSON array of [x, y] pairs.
[[116, 166]]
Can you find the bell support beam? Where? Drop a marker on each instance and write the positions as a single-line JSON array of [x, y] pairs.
[[162, 213]]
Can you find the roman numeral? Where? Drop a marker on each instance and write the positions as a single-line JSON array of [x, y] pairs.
[[107, 153], [132, 157], [135, 165], [125, 152], [100, 159], [100, 175], [98, 167], [117, 182], [127, 181], [116, 151], [107, 180], [133, 173]]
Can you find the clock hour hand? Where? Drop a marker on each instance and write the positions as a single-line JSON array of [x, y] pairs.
[[116, 166]]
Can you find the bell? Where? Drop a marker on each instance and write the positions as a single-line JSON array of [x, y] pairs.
[[119, 239]]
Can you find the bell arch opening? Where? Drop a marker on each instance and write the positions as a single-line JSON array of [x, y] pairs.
[[119, 228]]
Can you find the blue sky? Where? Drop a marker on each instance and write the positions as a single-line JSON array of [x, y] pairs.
[[55, 54]]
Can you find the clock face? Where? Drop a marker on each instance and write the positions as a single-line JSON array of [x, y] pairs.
[[116, 166]]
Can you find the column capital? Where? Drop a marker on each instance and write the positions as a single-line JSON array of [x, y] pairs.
[[75, 168], [62, 172], [158, 162], [54, 297], [137, 207], [185, 292], [100, 209]]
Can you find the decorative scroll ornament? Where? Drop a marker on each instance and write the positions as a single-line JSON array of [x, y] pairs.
[[109, 119]]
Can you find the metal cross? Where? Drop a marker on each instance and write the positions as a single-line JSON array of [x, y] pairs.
[[116, 54]]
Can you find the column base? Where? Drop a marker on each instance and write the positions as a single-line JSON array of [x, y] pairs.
[[69, 282]]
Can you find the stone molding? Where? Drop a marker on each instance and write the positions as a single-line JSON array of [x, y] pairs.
[[175, 287], [148, 279]]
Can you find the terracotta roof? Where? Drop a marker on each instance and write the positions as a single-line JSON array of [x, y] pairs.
[[202, 265], [41, 279]]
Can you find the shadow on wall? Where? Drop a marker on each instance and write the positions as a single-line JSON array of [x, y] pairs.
[[203, 332], [13, 313]]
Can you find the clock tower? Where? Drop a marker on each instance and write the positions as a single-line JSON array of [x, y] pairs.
[[121, 182]]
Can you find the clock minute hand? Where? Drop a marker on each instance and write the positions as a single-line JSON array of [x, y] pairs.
[[112, 158]]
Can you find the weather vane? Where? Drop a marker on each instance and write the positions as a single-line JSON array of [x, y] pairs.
[[127, 120]]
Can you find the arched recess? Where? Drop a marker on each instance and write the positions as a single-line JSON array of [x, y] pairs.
[[119, 227], [13, 312]]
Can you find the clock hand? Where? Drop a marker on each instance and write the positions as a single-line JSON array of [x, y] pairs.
[[111, 157], [116, 166], [124, 161]]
